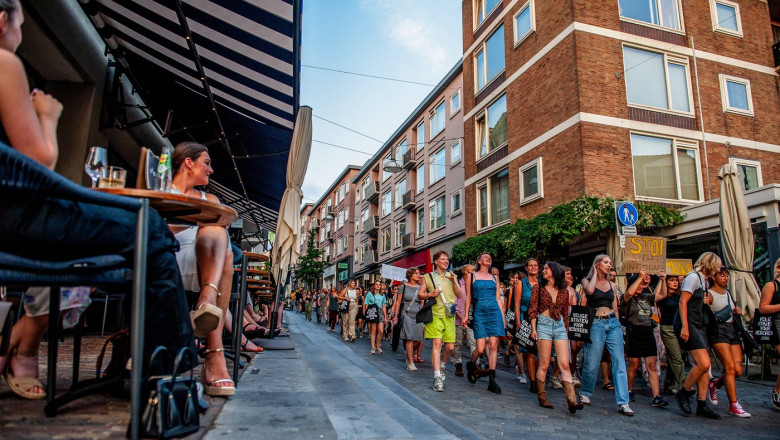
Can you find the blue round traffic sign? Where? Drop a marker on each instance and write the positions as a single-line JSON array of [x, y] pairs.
[[627, 214]]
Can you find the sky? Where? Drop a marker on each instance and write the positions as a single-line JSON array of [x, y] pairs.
[[413, 40]]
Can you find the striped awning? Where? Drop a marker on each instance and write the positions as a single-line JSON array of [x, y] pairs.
[[248, 52]]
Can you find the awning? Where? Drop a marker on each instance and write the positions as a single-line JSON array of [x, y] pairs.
[[245, 57]]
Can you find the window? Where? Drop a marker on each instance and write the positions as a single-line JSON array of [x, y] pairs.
[[735, 94], [437, 120], [663, 13], [482, 9], [386, 240], [665, 168], [725, 17], [656, 80], [386, 174], [490, 58], [342, 218], [492, 127], [455, 153], [339, 246], [525, 22], [400, 150], [421, 177], [437, 166], [357, 227], [455, 202], [748, 172], [387, 203], [455, 102], [357, 194], [330, 204], [343, 191], [421, 222], [400, 231], [436, 213], [531, 181], [493, 200], [421, 135], [366, 182], [400, 190]]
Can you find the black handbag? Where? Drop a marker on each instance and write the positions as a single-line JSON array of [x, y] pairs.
[[344, 306], [764, 330], [524, 339], [171, 400], [425, 315], [580, 321], [372, 313]]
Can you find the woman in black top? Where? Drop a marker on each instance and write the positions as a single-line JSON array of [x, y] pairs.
[[689, 328], [667, 303], [770, 305]]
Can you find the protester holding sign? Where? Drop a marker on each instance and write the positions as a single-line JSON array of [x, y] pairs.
[[689, 327], [576, 303], [770, 305], [640, 342], [522, 302], [604, 331], [667, 303]]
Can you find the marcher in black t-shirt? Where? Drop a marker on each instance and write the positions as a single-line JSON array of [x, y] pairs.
[[667, 303]]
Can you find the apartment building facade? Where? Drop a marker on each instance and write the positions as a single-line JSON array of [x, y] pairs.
[[639, 100], [332, 217], [307, 224], [405, 216]]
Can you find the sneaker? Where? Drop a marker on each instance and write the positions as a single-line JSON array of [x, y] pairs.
[[712, 393], [735, 409], [625, 410], [411, 367], [776, 400], [438, 384], [631, 397], [555, 382], [659, 402], [523, 379], [707, 412], [584, 399], [576, 381], [684, 400]]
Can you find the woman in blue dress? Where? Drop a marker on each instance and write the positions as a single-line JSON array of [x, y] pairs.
[[482, 291]]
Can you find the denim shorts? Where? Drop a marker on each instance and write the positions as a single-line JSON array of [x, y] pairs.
[[550, 330]]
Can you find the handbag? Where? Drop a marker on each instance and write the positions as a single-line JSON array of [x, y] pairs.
[[171, 408], [580, 321], [425, 315], [524, 339], [764, 330], [344, 306], [372, 311]]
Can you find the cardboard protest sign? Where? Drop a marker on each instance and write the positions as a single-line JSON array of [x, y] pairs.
[[648, 253]]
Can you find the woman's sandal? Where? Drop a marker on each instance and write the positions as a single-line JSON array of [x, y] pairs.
[[210, 388], [608, 386], [256, 333], [21, 386], [250, 350], [206, 317]]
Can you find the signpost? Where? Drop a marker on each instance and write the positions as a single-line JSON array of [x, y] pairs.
[[626, 216], [648, 253]]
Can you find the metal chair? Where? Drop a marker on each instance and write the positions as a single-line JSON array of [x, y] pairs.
[[19, 175]]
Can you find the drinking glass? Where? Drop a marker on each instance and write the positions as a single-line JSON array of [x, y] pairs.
[[95, 166]]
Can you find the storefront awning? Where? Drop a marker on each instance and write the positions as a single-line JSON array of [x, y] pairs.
[[245, 60]]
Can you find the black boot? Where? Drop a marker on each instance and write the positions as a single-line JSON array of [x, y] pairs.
[[492, 385], [703, 410], [471, 370], [683, 400]]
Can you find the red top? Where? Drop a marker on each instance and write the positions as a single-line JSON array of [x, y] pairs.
[[541, 300]]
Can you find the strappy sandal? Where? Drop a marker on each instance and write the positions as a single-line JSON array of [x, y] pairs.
[[206, 317], [250, 350], [211, 387], [608, 386], [21, 386], [256, 333]]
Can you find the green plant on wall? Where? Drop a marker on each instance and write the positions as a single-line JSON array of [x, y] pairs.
[[548, 235], [310, 264]]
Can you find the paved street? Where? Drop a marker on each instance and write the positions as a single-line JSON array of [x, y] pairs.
[[328, 389]]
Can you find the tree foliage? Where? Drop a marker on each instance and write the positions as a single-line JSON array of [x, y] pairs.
[[548, 235], [310, 264]]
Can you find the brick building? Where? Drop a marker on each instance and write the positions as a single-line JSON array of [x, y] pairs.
[[639, 100], [306, 225], [404, 215]]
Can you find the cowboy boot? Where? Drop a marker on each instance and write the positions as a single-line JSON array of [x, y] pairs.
[[571, 397], [542, 394]]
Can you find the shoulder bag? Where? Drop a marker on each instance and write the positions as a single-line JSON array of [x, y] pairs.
[[372, 311], [580, 321], [425, 315]]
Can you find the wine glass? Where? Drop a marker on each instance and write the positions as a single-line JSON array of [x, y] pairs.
[[95, 166]]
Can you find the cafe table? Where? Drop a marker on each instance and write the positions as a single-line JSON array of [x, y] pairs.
[[181, 209]]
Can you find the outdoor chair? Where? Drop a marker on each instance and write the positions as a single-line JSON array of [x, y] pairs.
[[19, 175]]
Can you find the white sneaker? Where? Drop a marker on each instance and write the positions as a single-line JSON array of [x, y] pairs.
[[625, 410], [523, 379], [438, 384], [584, 399], [411, 367], [555, 382]]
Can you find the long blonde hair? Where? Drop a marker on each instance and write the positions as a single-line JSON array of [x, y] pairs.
[[708, 263], [599, 258]]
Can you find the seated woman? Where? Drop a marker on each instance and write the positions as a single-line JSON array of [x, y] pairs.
[[206, 264]]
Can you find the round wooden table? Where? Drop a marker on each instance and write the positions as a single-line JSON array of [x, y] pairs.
[[178, 208]]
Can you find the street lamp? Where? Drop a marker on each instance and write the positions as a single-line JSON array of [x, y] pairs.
[[392, 166], [328, 218]]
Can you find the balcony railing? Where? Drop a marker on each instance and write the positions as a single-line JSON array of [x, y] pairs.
[[407, 241], [407, 200], [371, 192], [329, 236], [371, 224], [370, 257], [409, 158]]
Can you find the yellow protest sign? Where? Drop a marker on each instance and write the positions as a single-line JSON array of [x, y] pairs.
[[648, 253], [679, 266]]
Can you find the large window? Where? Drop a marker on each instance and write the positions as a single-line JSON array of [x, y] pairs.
[[482, 9], [656, 80], [436, 213], [492, 127], [455, 152], [420, 177], [531, 181], [386, 174], [455, 202], [421, 135], [400, 150], [735, 94], [664, 13], [455, 102], [340, 245], [438, 166], [387, 203], [400, 190], [421, 222], [342, 218], [386, 240], [748, 173], [493, 200], [524, 22], [490, 58], [400, 231], [665, 168], [437, 119], [725, 17]]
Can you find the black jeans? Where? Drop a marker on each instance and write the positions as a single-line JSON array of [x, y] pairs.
[[38, 227]]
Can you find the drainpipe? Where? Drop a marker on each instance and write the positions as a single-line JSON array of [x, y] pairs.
[[701, 123]]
